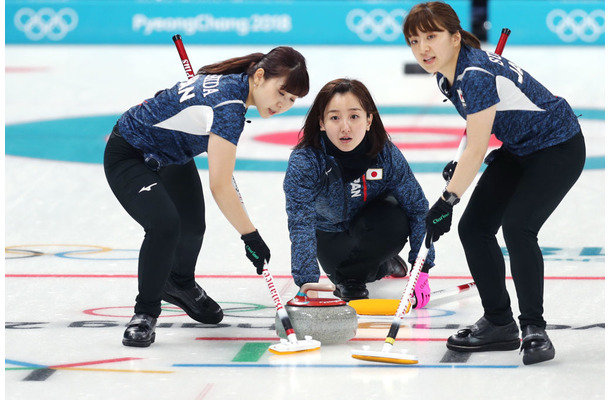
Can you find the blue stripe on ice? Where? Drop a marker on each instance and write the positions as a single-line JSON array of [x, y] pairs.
[[83, 139]]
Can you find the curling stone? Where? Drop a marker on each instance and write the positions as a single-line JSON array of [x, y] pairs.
[[328, 320]]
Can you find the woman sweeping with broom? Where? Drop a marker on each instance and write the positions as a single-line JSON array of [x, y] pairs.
[[541, 158]]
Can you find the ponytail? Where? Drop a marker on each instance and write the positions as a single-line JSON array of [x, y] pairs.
[[469, 39], [281, 62], [237, 65]]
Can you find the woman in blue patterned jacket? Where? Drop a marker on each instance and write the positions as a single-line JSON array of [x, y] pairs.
[[542, 156], [150, 167], [351, 198]]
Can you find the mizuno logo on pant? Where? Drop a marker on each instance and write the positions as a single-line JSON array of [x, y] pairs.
[[147, 188]]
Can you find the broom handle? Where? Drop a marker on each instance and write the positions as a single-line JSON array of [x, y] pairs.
[[448, 292], [405, 303], [281, 311], [186, 63]]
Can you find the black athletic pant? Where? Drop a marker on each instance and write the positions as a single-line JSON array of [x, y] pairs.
[[169, 205], [376, 234], [517, 194]]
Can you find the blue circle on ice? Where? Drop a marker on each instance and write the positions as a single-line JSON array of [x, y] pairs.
[[83, 139]]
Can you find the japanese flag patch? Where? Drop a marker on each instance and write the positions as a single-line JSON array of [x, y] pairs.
[[461, 96], [374, 174]]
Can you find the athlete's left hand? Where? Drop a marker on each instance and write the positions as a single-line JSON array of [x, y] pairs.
[[421, 292], [438, 221]]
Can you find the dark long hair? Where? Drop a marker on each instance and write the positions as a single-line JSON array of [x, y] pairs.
[[310, 133], [436, 16], [280, 62]]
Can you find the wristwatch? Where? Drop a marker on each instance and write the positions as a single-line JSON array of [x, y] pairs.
[[451, 198]]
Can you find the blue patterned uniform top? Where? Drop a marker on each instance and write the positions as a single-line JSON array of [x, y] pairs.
[[317, 198], [528, 117], [174, 126]]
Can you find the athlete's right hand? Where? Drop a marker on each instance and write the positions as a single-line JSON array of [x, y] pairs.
[[438, 221], [256, 250]]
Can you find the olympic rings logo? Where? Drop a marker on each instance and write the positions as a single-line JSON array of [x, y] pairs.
[[577, 24], [74, 251], [377, 23], [233, 309], [46, 22]]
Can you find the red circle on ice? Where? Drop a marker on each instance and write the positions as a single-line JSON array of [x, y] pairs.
[[404, 137]]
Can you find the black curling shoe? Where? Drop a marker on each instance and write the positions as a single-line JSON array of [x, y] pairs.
[[485, 336], [194, 301], [536, 345], [140, 331], [351, 289], [395, 267]]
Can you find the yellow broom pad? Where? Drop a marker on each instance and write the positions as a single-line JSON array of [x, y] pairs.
[[387, 358], [375, 306]]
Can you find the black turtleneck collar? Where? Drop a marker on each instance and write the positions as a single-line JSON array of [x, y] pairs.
[[353, 163]]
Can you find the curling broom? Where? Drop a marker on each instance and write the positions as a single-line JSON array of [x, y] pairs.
[[389, 306], [405, 305], [291, 344]]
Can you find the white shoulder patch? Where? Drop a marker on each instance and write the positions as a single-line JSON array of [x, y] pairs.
[[461, 76], [511, 97], [224, 103], [194, 120]]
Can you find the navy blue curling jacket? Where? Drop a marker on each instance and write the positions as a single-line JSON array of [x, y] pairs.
[[317, 198]]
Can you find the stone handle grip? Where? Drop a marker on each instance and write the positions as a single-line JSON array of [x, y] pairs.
[[317, 287]]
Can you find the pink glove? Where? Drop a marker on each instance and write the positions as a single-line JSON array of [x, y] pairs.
[[422, 291]]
